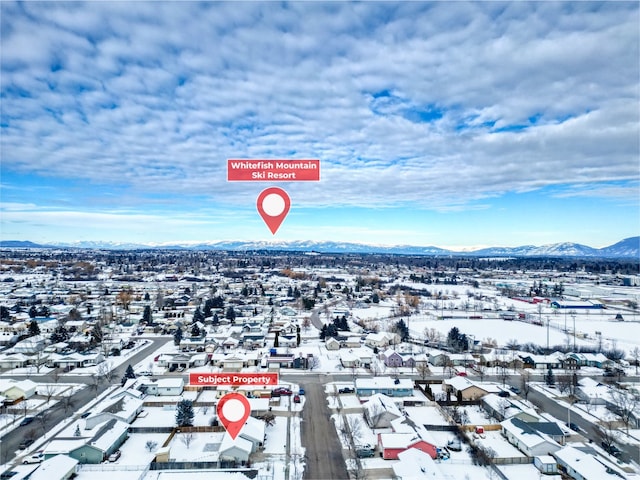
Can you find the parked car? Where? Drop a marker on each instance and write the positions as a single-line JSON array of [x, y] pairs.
[[301, 391], [35, 458], [504, 393], [515, 390], [8, 474], [296, 399], [346, 390], [454, 445], [25, 443], [26, 421], [115, 456], [610, 448], [573, 427], [365, 453], [279, 391]]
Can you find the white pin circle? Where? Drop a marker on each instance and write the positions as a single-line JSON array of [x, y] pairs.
[[273, 205], [233, 410]]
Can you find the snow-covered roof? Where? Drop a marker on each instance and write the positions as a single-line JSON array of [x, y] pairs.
[[57, 467], [415, 464], [384, 382]]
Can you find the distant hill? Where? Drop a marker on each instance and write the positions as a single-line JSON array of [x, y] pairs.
[[627, 248]]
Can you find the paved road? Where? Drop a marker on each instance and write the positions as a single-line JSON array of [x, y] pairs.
[[57, 413], [323, 450]]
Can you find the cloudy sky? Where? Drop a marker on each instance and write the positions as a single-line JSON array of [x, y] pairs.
[[451, 124]]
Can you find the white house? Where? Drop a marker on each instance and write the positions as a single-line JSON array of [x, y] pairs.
[[414, 464], [60, 467], [237, 450], [529, 441], [587, 466], [380, 411]]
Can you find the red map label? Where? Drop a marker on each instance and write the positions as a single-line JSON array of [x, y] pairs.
[[273, 170], [233, 379]]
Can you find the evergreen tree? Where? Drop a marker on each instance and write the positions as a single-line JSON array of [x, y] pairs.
[[195, 330], [217, 302], [198, 316], [34, 328], [550, 378], [96, 334], [33, 311], [60, 334], [402, 330], [207, 309], [323, 332], [184, 413], [77, 432], [231, 314], [147, 316], [177, 337], [215, 319], [129, 373]]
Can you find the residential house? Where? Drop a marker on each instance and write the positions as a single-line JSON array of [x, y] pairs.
[[234, 452], [92, 446], [254, 431], [401, 387], [542, 361], [463, 388], [414, 464], [527, 439], [583, 463], [502, 408], [163, 386], [380, 411], [392, 444], [16, 390], [124, 405], [592, 392], [332, 344], [380, 340], [14, 360], [391, 358], [59, 467]]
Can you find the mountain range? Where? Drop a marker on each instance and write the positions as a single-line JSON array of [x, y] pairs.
[[627, 248]]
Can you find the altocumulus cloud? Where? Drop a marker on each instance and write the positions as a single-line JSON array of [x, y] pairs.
[[439, 104]]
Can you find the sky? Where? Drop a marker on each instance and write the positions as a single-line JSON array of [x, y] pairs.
[[450, 124]]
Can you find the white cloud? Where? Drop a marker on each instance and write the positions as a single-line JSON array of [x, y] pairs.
[[156, 96]]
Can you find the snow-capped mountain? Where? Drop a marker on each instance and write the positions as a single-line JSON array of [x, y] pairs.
[[627, 248]]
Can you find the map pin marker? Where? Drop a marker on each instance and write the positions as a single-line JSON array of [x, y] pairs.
[[273, 206], [233, 410]]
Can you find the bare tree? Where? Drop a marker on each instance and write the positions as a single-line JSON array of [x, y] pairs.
[[187, 439], [106, 371], [624, 405], [43, 418], [313, 362], [49, 391], [55, 375], [564, 383], [503, 372], [67, 403], [151, 445], [525, 383], [607, 432], [481, 370], [423, 370], [635, 354], [373, 414]]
